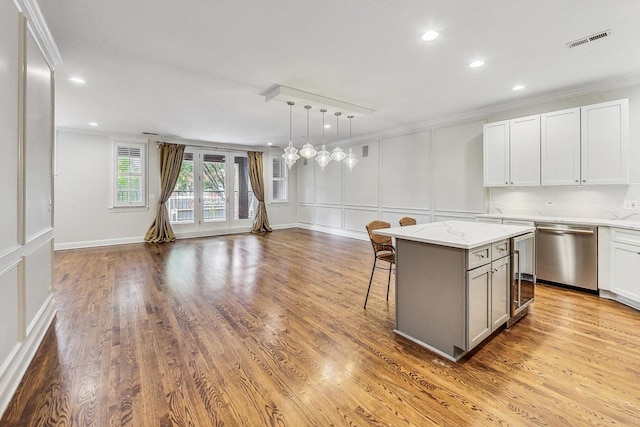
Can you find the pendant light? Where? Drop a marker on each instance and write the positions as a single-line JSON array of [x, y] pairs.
[[307, 149], [323, 157], [290, 153], [338, 153], [350, 160]]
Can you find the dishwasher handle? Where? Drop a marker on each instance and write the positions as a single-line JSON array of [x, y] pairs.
[[565, 230]]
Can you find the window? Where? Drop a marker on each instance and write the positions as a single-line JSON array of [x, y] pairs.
[[279, 177], [129, 174]]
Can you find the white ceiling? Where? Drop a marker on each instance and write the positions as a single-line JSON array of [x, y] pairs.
[[197, 68]]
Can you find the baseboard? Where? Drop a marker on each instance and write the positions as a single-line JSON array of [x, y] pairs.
[[622, 300], [336, 231], [22, 357], [208, 233], [97, 243]]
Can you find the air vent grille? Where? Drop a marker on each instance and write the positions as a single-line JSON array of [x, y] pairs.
[[589, 39]]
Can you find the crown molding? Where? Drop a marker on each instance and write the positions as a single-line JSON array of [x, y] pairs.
[[482, 113], [40, 31]]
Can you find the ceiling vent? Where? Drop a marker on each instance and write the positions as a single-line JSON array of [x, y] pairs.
[[589, 39]]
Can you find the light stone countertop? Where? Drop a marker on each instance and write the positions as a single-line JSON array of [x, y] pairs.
[[456, 234], [598, 222]]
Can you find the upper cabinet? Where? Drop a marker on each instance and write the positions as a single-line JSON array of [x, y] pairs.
[[579, 146], [524, 151], [511, 148], [560, 144], [605, 143], [496, 154]]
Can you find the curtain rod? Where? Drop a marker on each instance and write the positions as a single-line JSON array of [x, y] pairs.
[[206, 146]]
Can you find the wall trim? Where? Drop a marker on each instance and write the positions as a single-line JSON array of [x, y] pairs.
[[41, 32], [618, 298], [21, 359], [483, 112], [97, 243], [335, 231]]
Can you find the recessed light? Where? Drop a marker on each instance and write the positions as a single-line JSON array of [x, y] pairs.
[[476, 63], [93, 124], [269, 144], [430, 35], [78, 80], [518, 87], [327, 126]]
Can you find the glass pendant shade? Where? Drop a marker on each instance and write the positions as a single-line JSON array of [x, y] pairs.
[[290, 155], [307, 151], [323, 157], [338, 154], [350, 160]]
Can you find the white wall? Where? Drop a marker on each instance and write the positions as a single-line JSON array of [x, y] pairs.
[[431, 175], [436, 174], [83, 186], [597, 201], [26, 229]]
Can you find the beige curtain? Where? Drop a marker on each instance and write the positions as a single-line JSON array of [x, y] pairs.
[[261, 223], [170, 164]]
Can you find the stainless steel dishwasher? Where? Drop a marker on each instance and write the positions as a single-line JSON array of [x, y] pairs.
[[567, 254]]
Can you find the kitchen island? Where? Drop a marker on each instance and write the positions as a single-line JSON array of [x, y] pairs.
[[453, 282]]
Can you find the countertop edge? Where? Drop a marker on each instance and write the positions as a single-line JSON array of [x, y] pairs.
[[453, 244], [598, 222]]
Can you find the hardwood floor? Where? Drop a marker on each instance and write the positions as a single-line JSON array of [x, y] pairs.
[[250, 330]]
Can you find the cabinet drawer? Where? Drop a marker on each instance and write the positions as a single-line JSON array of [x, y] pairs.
[[625, 236], [478, 256], [499, 249]]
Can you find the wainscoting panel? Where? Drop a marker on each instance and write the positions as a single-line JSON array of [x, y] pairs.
[[357, 219], [328, 216], [305, 213], [9, 303], [37, 282]]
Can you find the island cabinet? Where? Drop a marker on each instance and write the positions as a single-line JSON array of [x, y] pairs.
[[487, 291], [453, 282]]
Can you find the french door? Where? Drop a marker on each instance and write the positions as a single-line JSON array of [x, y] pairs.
[[213, 192]]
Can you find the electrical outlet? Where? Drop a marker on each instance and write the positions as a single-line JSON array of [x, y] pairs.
[[550, 203], [630, 205]]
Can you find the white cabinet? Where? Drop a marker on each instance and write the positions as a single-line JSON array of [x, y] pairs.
[[487, 291], [605, 141], [560, 147], [588, 145], [511, 153], [625, 264], [496, 154], [524, 151]]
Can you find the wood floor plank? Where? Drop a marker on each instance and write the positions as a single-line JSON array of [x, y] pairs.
[[249, 330]]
